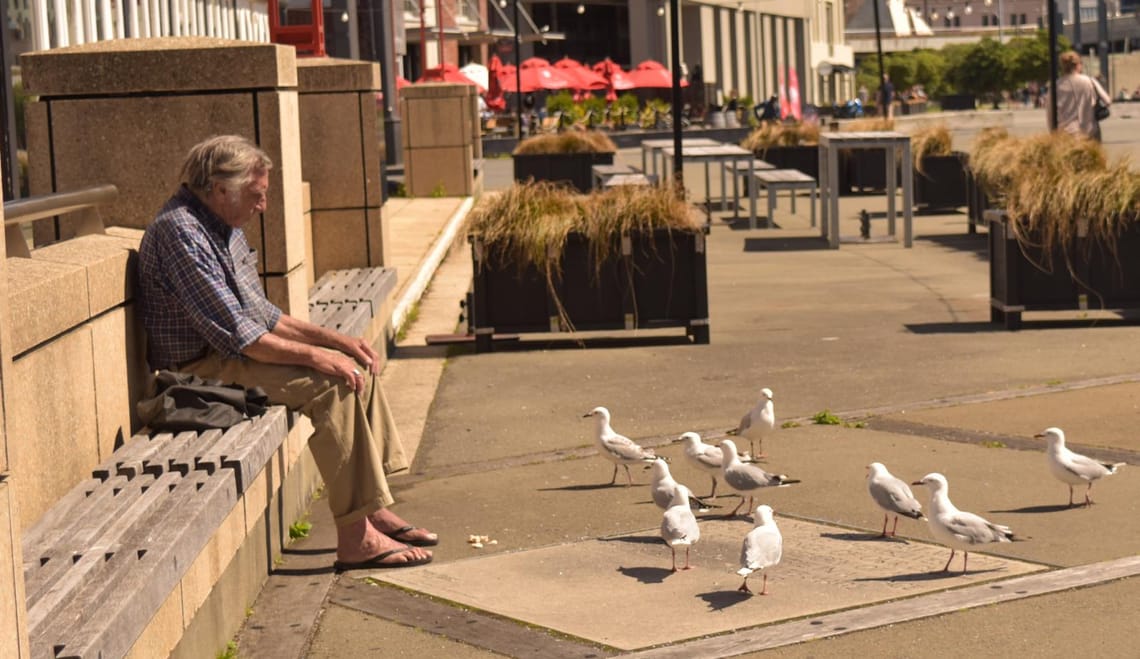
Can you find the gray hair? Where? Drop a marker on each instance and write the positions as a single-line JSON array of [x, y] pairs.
[[230, 159]]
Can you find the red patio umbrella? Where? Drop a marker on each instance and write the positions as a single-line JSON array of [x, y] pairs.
[[536, 75], [616, 79], [580, 77], [653, 75], [448, 73]]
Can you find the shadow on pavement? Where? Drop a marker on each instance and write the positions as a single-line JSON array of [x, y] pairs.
[[977, 243], [1050, 508], [928, 576], [722, 599], [973, 327], [977, 327], [862, 537], [800, 244], [647, 574], [743, 224], [305, 572], [635, 539], [581, 488], [591, 343]]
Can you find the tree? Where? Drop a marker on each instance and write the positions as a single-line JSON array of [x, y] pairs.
[[1029, 57], [929, 71], [983, 70]]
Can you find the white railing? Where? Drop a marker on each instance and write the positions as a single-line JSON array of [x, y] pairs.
[[59, 23]]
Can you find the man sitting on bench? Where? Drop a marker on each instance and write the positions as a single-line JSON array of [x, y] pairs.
[[205, 313]]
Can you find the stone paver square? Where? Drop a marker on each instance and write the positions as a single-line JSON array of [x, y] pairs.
[[576, 588]]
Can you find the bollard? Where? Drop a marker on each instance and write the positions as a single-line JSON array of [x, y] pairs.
[[864, 224]]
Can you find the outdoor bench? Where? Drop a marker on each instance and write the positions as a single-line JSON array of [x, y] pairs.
[[602, 173], [791, 180], [133, 552]]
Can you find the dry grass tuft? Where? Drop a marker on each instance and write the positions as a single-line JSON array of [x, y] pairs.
[[586, 141], [1057, 187], [771, 134], [934, 140]]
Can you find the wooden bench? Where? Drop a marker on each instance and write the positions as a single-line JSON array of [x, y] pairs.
[[113, 552], [791, 180], [629, 179]]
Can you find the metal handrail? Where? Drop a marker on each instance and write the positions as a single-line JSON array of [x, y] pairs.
[[31, 209], [22, 211]]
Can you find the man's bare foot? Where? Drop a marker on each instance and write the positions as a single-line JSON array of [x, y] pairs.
[[359, 541], [392, 525]]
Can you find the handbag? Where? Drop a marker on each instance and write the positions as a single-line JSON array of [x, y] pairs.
[[1101, 112], [180, 401]]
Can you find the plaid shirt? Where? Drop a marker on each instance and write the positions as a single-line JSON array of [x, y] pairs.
[[198, 286]]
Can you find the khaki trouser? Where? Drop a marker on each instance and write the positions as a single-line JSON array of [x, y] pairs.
[[351, 431]]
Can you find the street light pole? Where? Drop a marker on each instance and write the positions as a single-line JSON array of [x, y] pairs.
[[518, 74], [675, 47]]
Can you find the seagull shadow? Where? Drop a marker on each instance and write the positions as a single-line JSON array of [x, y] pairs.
[[635, 539], [937, 575], [718, 600], [647, 574], [863, 537], [584, 488], [1048, 508]]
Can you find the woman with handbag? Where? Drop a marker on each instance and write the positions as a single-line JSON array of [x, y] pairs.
[[1081, 102]]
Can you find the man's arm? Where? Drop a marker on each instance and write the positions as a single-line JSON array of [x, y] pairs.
[[297, 342]]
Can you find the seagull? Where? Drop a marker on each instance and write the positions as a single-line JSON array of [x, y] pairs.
[[662, 484], [758, 422], [957, 529], [892, 495], [742, 478], [679, 525], [705, 456], [761, 549], [618, 449], [1074, 468]]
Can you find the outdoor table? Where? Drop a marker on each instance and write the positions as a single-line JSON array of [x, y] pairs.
[[829, 146], [650, 149], [720, 153], [627, 179], [603, 172]]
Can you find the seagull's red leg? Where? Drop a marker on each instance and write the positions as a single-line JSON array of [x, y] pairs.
[[947, 567], [764, 590], [744, 587], [884, 533], [895, 527]]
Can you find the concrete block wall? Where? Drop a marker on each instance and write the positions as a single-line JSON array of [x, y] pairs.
[[341, 147], [127, 111], [442, 147], [13, 611]]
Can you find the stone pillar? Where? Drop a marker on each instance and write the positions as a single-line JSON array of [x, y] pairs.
[[341, 147], [127, 111], [13, 609], [442, 146]]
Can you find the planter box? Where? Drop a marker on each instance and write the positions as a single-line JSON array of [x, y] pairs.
[[573, 169], [866, 171], [659, 280], [977, 202], [1103, 280], [803, 158], [958, 102], [943, 186]]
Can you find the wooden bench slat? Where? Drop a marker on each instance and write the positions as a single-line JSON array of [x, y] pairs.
[[249, 456]]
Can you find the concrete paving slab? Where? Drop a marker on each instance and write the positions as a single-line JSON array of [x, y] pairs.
[[1099, 416], [346, 632], [572, 587]]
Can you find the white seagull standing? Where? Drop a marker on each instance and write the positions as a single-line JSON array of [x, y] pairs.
[[759, 422], [679, 525], [1073, 468], [706, 457], [662, 483], [618, 449], [955, 528], [746, 478], [762, 548], [892, 495]]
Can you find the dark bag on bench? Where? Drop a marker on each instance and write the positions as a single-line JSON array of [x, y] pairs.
[[181, 402]]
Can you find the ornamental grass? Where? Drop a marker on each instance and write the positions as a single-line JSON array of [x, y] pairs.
[[575, 141], [774, 134], [929, 141], [867, 125], [528, 225], [1057, 187]]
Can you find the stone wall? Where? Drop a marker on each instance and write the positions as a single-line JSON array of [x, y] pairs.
[[443, 150], [127, 111], [341, 147]]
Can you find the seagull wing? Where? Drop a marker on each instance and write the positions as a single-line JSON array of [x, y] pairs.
[[679, 526], [745, 423], [744, 477], [894, 496], [1086, 468], [624, 449], [710, 457], [975, 530]]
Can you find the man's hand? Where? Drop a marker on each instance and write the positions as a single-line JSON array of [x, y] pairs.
[[362, 352], [339, 365]]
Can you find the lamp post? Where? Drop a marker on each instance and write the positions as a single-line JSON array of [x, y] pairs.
[[675, 48], [518, 73]]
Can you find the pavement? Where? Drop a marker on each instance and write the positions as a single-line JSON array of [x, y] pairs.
[[894, 342]]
